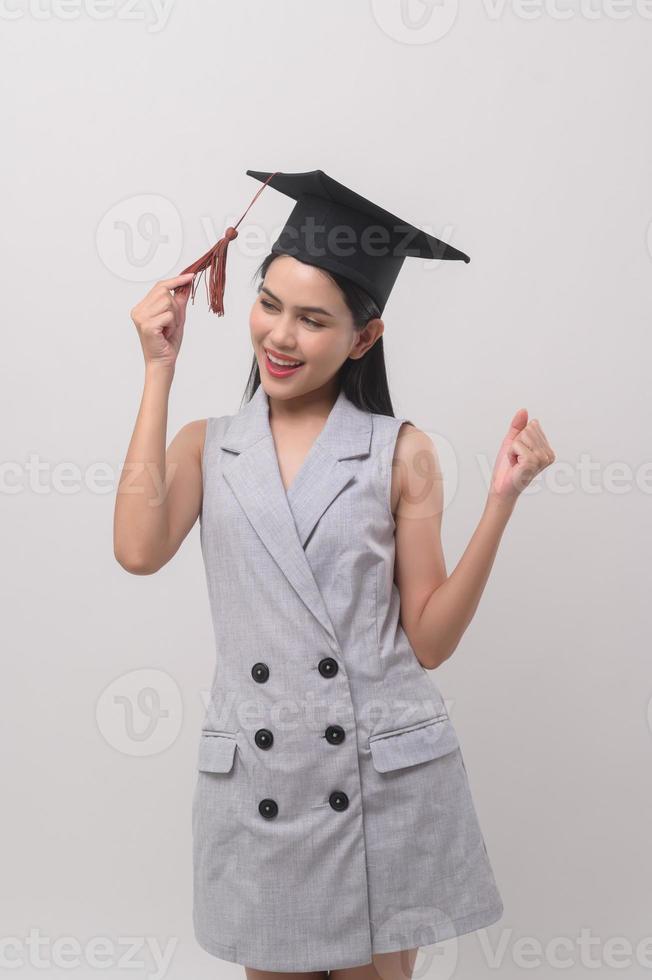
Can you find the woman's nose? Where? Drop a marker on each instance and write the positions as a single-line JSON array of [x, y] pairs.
[[283, 336]]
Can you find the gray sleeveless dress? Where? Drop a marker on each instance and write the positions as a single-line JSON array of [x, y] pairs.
[[332, 816]]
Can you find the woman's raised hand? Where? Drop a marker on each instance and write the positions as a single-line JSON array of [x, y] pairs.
[[159, 320], [524, 453]]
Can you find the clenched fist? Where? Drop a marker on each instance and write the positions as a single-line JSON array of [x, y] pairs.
[[524, 452]]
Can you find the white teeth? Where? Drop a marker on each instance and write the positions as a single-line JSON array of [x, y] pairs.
[[276, 360]]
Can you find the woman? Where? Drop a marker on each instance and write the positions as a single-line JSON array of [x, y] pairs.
[[333, 824]]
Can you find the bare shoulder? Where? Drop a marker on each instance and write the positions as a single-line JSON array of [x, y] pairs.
[[413, 447], [197, 433], [189, 440], [412, 440], [415, 468]]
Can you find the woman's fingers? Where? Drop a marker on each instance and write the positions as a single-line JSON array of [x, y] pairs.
[[176, 281]]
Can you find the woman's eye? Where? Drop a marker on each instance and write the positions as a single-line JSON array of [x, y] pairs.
[[270, 306]]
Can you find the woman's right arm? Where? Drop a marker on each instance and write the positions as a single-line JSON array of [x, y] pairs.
[[160, 492]]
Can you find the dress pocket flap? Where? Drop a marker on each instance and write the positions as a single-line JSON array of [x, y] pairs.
[[413, 744], [216, 751]]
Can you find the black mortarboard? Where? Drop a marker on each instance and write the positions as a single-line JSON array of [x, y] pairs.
[[336, 229]]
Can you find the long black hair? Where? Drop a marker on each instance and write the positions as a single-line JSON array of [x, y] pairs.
[[364, 379]]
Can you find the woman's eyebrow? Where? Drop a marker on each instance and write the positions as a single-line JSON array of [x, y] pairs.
[[309, 309]]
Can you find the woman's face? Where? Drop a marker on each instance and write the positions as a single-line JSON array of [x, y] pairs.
[[301, 315]]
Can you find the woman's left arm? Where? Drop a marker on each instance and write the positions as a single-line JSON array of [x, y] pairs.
[[436, 608]]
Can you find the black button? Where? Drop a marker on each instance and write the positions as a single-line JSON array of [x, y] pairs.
[[338, 800], [328, 667], [335, 734], [264, 738], [268, 808], [260, 672]]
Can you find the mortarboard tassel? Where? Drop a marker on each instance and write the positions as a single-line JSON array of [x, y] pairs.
[[215, 261]]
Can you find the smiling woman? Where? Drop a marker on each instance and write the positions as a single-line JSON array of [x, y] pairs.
[[346, 340], [330, 778]]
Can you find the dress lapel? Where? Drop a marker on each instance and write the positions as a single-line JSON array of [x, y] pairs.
[[285, 521]]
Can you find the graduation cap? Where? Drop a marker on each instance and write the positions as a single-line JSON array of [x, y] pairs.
[[334, 228]]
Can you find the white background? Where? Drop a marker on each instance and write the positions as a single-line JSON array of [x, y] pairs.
[[521, 134]]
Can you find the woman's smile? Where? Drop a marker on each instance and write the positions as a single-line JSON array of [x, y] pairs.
[[280, 366]]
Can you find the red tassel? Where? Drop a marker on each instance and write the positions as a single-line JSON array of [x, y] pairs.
[[215, 260]]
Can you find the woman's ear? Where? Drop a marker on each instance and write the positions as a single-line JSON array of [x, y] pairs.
[[367, 337]]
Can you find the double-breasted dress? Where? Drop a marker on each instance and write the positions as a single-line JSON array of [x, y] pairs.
[[332, 816]]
